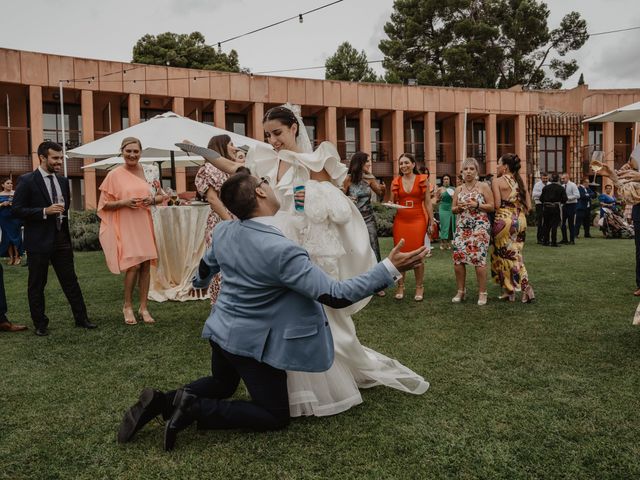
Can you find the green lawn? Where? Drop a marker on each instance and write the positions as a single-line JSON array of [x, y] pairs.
[[547, 390]]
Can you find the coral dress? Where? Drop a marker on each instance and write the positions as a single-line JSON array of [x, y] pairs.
[[210, 177], [126, 234], [410, 223], [509, 231]]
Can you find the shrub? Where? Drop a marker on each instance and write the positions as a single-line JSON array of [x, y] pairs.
[[384, 219], [84, 226]]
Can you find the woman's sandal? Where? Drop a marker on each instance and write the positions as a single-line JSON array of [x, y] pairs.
[[129, 317], [146, 316], [511, 297], [399, 292], [419, 296], [482, 298], [459, 296], [528, 296]]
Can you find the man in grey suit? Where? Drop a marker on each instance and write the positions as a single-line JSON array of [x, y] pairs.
[[267, 319]]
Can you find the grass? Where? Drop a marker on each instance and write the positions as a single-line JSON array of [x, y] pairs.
[[547, 390]]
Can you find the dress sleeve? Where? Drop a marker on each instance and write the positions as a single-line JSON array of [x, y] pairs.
[[395, 187], [108, 191], [423, 185], [209, 177]]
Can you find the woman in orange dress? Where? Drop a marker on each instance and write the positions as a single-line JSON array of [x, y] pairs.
[[126, 227], [411, 190]]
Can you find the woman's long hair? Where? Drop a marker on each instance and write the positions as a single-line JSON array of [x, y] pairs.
[[219, 143], [451, 184], [513, 163], [356, 166]]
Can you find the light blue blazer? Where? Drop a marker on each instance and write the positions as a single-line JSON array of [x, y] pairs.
[[269, 307]]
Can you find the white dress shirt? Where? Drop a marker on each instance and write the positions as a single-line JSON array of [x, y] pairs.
[[391, 268], [573, 194], [537, 191], [47, 183]]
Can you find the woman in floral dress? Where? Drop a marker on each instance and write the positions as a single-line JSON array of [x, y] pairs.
[[509, 229], [472, 201], [208, 182]]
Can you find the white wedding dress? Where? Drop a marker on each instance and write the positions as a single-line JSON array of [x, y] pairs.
[[332, 230]]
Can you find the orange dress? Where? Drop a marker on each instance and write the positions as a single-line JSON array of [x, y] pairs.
[[410, 223], [126, 234]]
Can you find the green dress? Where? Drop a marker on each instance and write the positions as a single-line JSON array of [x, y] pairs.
[[447, 218]]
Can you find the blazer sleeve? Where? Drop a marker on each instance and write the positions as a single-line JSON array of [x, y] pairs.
[[207, 269], [21, 206], [298, 273]]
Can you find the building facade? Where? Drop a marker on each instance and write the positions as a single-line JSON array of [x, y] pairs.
[[439, 125]]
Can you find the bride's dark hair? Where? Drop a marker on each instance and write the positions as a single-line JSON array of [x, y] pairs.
[[283, 115]]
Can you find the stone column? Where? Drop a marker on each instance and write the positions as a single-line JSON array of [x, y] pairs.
[[520, 127], [492, 143], [460, 139], [257, 113], [88, 135], [133, 107], [430, 145], [219, 114], [35, 119], [608, 147], [397, 138], [330, 125], [364, 118], [177, 105]]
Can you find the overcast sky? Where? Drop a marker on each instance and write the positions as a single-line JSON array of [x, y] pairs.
[[109, 29]]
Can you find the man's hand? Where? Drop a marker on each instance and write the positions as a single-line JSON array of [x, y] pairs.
[[198, 293], [54, 209], [406, 261]]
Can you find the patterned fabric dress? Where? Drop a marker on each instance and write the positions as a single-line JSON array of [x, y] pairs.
[[472, 236], [509, 230], [210, 177], [361, 194]]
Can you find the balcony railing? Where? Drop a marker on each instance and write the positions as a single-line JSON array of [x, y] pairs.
[[15, 165], [477, 151], [73, 137], [417, 149], [380, 152]]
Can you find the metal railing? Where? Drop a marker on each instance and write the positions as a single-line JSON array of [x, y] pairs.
[[73, 137]]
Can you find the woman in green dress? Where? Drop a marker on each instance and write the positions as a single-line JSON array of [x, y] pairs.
[[444, 197]]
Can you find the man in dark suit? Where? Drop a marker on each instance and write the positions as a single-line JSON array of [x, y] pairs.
[[5, 324], [553, 197], [42, 201], [583, 209]]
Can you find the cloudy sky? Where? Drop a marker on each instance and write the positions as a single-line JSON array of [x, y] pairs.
[[109, 29]]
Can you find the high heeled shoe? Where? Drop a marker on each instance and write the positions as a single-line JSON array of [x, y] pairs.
[[146, 316], [399, 292], [129, 317], [459, 296], [508, 297], [528, 295], [482, 298], [419, 296]]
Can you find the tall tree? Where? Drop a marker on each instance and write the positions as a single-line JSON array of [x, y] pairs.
[[480, 43], [350, 65], [183, 50]]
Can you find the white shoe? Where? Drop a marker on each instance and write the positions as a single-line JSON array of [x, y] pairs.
[[459, 296], [482, 298]]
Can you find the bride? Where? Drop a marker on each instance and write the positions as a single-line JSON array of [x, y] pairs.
[[329, 226]]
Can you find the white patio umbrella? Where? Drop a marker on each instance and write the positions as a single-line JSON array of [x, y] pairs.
[[159, 136], [108, 163], [628, 113]]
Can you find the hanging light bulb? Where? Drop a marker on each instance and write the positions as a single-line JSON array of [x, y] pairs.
[[300, 19], [219, 48]]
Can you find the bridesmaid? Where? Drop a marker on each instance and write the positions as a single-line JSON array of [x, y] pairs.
[[411, 190], [11, 245], [208, 182], [509, 230], [444, 198], [126, 227], [471, 203]]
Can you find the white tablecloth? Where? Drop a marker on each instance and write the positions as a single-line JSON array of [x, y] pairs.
[[180, 240]]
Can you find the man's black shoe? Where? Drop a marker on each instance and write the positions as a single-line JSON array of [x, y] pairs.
[[86, 324], [572, 242], [182, 417], [42, 331], [564, 242], [149, 405]]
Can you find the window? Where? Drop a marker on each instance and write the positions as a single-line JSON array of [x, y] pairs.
[[377, 153], [52, 128], [595, 136], [351, 133], [237, 123], [414, 136], [149, 113], [311, 123], [476, 148], [440, 156], [552, 154], [207, 118]]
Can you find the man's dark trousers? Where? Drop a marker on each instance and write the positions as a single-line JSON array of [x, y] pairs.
[[540, 222], [583, 219], [568, 221], [550, 222]]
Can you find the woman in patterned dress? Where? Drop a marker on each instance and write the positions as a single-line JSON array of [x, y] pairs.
[[509, 230], [208, 182], [472, 201], [444, 198]]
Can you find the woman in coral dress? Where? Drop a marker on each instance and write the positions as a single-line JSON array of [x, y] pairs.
[[208, 182], [126, 227], [411, 191], [509, 230]]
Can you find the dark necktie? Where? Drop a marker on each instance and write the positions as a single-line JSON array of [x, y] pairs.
[[55, 199]]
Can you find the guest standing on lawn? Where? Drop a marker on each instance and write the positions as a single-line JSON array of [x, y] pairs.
[[11, 226], [472, 201], [509, 230], [583, 210], [444, 197], [126, 227], [411, 191], [208, 182]]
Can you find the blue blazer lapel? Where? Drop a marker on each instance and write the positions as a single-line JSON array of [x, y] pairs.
[[39, 181]]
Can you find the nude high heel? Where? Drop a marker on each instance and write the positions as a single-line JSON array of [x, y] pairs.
[[146, 316], [528, 296], [482, 298], [399, 292], [459, 296], [419, 293], [129, 317]]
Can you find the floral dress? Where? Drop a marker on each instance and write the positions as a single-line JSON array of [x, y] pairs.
[[509, 230], [210, 177], [472, 234]]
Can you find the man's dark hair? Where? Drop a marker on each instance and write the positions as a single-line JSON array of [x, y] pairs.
[[44, 147], [555, 178], [544, 174], [238, 194]]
